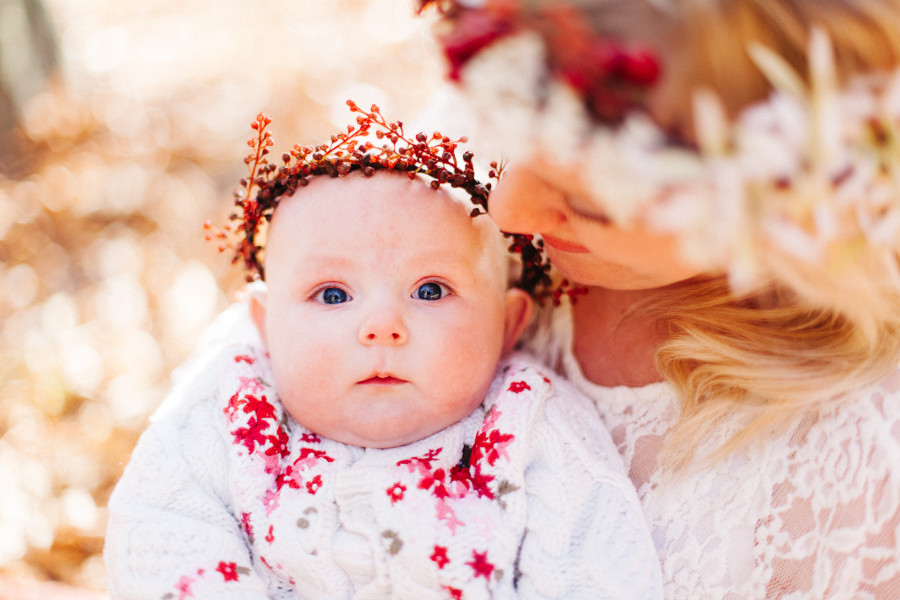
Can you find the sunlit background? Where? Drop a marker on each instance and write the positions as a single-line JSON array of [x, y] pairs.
[[122, 129]]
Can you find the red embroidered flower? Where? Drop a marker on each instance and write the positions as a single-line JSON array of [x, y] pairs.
[[490, 446], [251, 435], [233, 404], [455, 593], [270, 537], [278, 444], [244, 358], [313, 486], [261, 406], [435, 480], [480, 564], [480, 483], [311, 438], [439, 556], [228, 571], [518, 387], [396, 492], [288, 477], [460, 476]]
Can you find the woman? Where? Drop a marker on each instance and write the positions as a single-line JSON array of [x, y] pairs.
[[722, 176]]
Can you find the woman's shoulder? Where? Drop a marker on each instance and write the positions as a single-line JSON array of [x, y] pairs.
[[861, 429], [871, 414]]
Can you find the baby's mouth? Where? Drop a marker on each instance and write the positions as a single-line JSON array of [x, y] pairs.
[[382, 380]]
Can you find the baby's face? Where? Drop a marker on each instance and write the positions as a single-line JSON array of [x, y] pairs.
[[386, 309]]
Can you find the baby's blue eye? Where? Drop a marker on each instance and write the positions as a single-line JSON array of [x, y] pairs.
[[429, 291], [333, 295]]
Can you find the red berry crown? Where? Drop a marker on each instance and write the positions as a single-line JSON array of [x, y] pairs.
[[435, 156]]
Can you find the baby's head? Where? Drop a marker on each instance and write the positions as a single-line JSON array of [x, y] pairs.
[[387, 308]]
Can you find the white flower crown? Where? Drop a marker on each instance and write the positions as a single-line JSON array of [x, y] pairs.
[[811, 175]]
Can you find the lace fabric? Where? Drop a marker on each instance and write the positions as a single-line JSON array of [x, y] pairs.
[[811, 513]]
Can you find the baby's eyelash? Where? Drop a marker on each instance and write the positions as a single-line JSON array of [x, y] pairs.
[[444, 286], [337, 294]]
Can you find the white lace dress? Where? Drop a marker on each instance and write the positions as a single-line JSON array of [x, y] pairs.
[[814, 513]]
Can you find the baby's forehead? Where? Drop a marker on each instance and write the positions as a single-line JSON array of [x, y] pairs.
[[403, 207]]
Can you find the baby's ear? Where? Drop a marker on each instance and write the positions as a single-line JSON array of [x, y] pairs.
[[257, 303], [519, 307]]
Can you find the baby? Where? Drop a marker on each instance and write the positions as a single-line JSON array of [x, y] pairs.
[[385, 440]]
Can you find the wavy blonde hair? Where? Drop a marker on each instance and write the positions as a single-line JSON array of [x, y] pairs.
[[810, 336]]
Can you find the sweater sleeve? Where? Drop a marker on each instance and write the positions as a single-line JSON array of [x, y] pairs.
[[586, 534], [171, 533]]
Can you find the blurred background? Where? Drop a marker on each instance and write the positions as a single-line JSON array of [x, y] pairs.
[[123, 127]]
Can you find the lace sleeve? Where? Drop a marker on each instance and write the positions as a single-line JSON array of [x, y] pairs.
[[836, 505]]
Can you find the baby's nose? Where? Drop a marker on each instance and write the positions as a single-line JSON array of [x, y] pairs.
[[383, 325]]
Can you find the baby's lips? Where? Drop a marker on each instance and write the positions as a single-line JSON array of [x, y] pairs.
[[382, 379]]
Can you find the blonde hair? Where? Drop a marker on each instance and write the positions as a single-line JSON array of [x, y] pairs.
[[812, 335], [769, 355]]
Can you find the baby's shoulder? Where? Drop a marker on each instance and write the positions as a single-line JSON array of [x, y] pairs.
[[557, 413], [204, 382]]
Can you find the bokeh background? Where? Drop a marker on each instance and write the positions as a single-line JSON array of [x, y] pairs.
[[123, 127]]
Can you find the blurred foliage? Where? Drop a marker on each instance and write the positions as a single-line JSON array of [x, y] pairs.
[[105, 279]]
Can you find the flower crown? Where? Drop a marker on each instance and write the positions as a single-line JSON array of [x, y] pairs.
[[803, 186], [434, 156]]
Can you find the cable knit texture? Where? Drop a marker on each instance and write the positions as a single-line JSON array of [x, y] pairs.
[[812, 513], [226, 496]]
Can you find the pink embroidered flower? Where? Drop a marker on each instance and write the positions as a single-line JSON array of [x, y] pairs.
[[310, 438], [248, 528], [310, 456], [396, 492], [480, 564], [421, 463], [313, 486], [445, 513], [270, 501], [184, 587], [246, 383], [491, 418], [244, 358], [228, 571], [518, 387], [439, 556]]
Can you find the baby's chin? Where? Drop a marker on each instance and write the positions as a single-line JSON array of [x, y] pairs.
[[382, 436]]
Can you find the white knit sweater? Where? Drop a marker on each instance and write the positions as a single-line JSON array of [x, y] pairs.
[[226, 496]]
